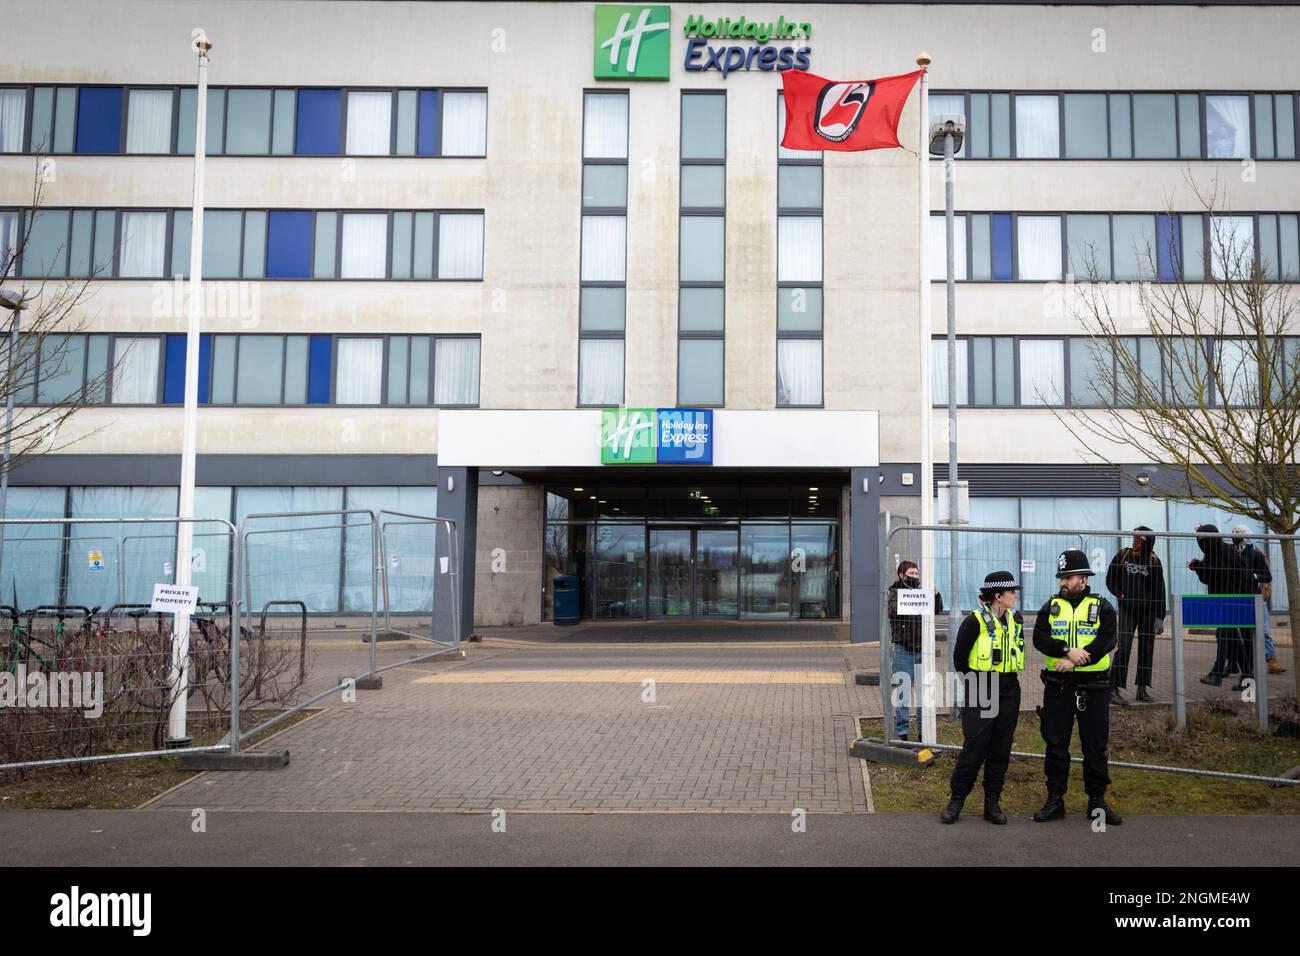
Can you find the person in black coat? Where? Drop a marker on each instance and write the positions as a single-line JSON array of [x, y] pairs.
[[1222, 572], [1137, 579]]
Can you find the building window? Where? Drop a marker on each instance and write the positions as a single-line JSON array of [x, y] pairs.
[[456, 371], [13, 117], [359, 377], [799, 289], [701, 252], [370, 123], [99, 119], [135, 378], [149, 121], [1121, 125], [464, 123], [1042, 372], [602, 303], [143, 245]]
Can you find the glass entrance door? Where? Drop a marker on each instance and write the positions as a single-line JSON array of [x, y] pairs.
[[670, 560], [717, 572], [693, 572]]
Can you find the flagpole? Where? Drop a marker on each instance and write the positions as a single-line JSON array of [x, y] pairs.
[[927, 557]]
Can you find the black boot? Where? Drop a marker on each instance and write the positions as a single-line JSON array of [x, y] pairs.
[[1053, 809], [1113, 819], [992, 812], [952, 811]]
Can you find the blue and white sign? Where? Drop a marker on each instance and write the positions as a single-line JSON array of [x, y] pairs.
[[685, 436]]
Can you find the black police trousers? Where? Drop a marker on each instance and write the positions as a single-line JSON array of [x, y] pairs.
[[988, 738], [1059, 711]]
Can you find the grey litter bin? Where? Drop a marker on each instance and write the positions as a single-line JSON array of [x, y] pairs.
[[564, 599]]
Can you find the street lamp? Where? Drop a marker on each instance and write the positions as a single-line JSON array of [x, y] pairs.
[[16, 303], [176, 718], [946, 134]]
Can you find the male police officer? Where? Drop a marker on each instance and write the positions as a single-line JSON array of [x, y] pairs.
[[991, 645], [1076, 631]]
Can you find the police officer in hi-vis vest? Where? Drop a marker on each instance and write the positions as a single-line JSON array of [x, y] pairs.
[[1076, 631], [990, 644]]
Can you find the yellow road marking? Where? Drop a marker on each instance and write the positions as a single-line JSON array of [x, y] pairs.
[[563, 675]]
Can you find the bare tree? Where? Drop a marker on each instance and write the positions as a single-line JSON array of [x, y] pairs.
[[1215, 393], [43, 370]]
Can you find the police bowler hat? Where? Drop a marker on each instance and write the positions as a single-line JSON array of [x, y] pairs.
[[1072, 561]]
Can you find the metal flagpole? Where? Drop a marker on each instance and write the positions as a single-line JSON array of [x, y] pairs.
[[926, 557], [176, 719]]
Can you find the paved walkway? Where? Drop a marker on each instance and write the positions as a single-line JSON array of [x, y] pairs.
[[166, 838], [527, 725]]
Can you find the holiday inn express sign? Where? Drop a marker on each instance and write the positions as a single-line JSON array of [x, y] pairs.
[[633, 43], [649, 436]]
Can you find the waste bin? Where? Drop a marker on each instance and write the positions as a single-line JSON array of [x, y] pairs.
[[564, 599]]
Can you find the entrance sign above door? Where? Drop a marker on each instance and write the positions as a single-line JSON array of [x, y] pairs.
[[648, 436]]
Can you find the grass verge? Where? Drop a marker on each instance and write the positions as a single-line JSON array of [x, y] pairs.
[[1218, 737], [115, 785]]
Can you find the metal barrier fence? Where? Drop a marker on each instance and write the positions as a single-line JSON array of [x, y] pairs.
[[86, 668], [1178, 647]]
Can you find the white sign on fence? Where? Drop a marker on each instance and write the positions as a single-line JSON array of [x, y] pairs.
[[95, 560], [170, 599], [915, 601], [1027, 566]]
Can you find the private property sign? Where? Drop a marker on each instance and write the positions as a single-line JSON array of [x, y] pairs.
[[915, 601], [649, 436], [170, 599]]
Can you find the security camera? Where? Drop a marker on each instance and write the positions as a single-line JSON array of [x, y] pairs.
[[942, 126]]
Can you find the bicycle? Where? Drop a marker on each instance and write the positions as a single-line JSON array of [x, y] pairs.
[[209, 657], [22, 646]]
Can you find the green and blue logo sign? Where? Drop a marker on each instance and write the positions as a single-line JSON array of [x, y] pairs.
[[649, 436], [632, 42]]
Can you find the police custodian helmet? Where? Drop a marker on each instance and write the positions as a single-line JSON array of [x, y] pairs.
[[1072, 561]]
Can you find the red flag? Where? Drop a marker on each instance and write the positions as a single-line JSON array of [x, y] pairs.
[[846, 115]]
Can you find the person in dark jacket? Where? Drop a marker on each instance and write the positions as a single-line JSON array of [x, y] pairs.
[[990, 652], [1076, 632], [1256, 561], [1222, 572], [905, 632], [1137, 579]]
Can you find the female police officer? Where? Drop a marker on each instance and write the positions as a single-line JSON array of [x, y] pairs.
[[991, 646], [1076, 632]]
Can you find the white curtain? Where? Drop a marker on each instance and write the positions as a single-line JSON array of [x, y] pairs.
[[604, 248], [1042, 372], [1238, 374], [604, 126], [13, 112], [455, 372], [149, 121], [464, 124], [1039, 246], [135, 370], [939, 371], [365, 246], [460, 245], [8, 240], [370, 117], [360, 371], [799, 372], [799, 249], [144, 235], [1227, 127], [1232, 246], [1038, 129], [938, 251], [600, 372]]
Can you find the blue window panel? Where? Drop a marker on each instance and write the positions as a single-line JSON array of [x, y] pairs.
[[288, 245], [205, 369], [1168, 241], [174, 370], [318, 371], [1001, 223], [427, 141], [99, 119], [319, 113]]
